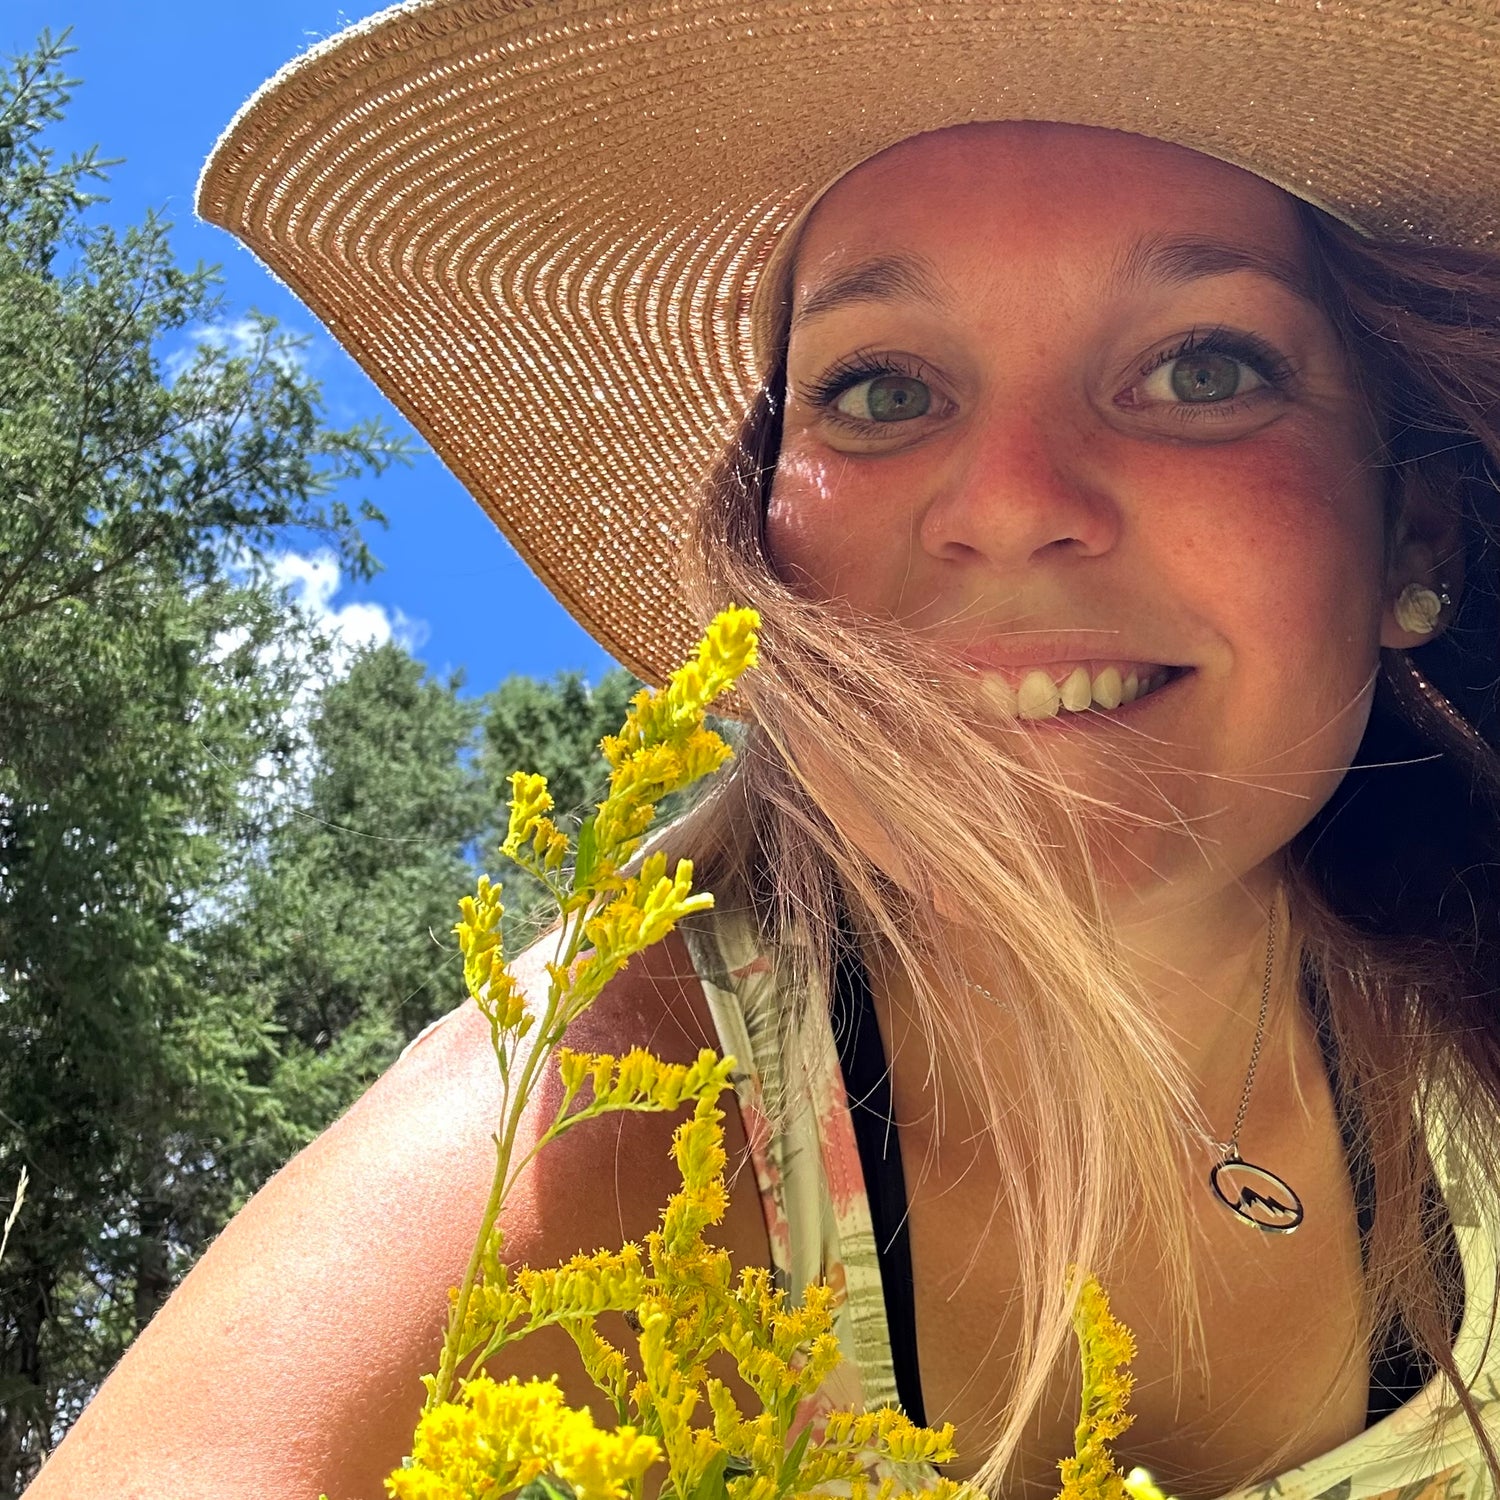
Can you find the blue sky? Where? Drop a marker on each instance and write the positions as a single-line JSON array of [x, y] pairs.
[[160, 80]]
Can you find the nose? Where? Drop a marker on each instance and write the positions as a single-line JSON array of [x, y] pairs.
[[1020, 488]]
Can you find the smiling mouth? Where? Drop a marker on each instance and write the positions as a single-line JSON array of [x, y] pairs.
[[1073, 688]]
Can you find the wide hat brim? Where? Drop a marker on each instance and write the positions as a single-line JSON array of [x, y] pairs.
[[540, 227]]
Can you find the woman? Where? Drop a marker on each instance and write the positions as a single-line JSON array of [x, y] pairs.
[[1096, 489]]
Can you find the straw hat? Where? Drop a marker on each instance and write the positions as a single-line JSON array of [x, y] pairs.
[[540, 226]]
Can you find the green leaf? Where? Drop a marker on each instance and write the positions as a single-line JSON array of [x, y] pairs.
[[793, 1461], [588, 854], [546, 1487], [711, 1485]]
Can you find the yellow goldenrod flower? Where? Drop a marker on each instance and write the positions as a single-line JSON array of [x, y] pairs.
[[759, 1300], [890, 1489], [599, 1465], [606, 1281], [494, 1307], [698, 1145], [530, 802], [890, 1433], [492, 986], [688, 1214], [824, 1466], [500, 1436], [640, 1080], [671, 1395], [663, 744], [728, 1418], [753, 1487], [728, 650], [530, 827], [604, 1364], [859, 1489], [648, 906], [574, 1068], [1105, 1348], [478, 933], [951, 1489]]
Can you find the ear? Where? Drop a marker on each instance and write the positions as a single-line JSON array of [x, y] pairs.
[[1429, 552]]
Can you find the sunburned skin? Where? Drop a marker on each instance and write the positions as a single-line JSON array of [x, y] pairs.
[[993, 437], [1039, 486]]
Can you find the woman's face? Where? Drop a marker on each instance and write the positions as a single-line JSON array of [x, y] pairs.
[[1060, 399]]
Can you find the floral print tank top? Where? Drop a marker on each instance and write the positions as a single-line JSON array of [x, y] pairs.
[[812, 1192]]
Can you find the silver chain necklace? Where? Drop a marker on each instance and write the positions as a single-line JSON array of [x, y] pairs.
[[1254, 1195]]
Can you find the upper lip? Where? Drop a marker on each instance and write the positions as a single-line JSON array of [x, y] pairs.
[[1036, 649]]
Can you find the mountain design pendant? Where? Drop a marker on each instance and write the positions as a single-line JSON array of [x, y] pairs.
[[1255, 1196]]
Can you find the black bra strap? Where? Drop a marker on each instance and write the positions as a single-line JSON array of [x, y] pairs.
[[867, 1082]]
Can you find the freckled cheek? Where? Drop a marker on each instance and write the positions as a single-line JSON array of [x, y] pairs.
[[1288, 554]]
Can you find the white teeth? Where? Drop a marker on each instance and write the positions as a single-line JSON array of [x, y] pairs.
[[1040, 697], [1076, 691], [1108, 689], [1037, 697], [1000, 695]]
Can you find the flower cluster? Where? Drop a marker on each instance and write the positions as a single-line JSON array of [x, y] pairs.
[[503, 1436], [496, 1437], [648, 906], [1105, 1347], [638, 1080], [663, 743], [529, 826], [492, 986]]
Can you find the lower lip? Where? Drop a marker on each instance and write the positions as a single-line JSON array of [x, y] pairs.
[[1095, 718]]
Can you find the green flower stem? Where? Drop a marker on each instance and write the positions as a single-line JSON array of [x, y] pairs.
[[513, 1106]]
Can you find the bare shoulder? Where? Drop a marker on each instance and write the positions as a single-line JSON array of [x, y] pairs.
[[289, 1361], [622, 1161]]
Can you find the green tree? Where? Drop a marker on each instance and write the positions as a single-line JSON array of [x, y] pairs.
[[144, 688], [340, 938]]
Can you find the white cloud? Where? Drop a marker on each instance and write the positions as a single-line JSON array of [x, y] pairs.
[[240, 339], [314, 580]]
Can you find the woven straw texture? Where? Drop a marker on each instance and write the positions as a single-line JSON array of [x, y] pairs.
[[540, 227]]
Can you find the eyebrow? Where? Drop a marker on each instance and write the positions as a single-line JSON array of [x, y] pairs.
[[1174, 261], [883, 278], [1189, 258]]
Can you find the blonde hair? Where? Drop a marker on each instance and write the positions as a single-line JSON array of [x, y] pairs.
[[984, 833]]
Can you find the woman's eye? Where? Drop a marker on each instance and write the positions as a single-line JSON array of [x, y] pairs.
[[886, 398], [1201, 379]]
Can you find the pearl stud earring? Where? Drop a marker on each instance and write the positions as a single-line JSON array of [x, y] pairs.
[[1418, 607]]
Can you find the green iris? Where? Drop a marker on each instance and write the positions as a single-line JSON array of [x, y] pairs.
[[1205, 377], [896, 398]]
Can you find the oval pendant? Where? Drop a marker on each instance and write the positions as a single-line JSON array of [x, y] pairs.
[[1255, 1196]]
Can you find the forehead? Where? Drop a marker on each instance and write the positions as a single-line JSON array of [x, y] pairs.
[[977, 196]]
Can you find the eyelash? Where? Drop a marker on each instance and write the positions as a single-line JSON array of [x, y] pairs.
[[1270, 364], [852, 370]]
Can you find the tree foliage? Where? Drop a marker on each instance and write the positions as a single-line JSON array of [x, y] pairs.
[[339, 940], [228, 871], [141, 698]]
